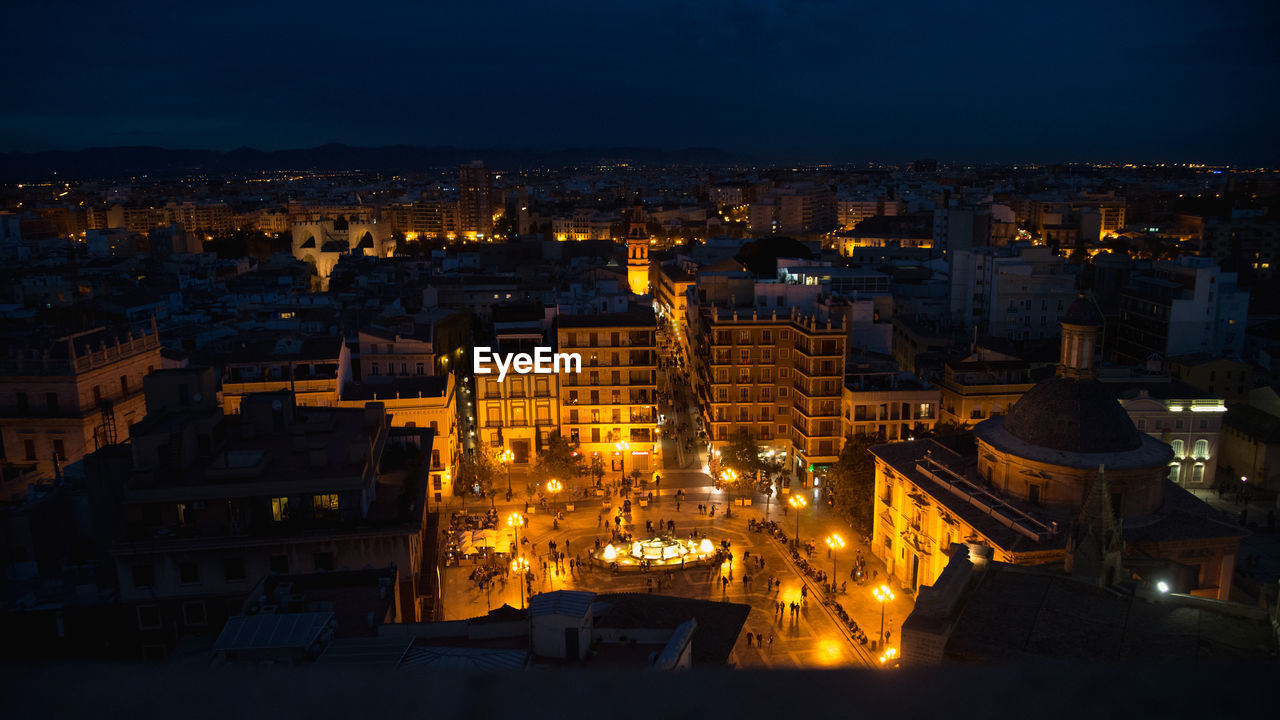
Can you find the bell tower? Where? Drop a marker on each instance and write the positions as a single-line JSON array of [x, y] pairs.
[[638, 253]]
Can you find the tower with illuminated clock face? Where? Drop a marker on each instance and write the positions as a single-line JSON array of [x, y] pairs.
[[638, 254]]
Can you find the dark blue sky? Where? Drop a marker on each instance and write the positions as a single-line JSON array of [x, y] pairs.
[[801, 79]]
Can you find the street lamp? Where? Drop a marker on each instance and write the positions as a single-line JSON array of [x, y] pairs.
[[505, 457], [835, 542], [516, 521], [554, 486], [883, 595], [729, 476], [798, 502], [520, 566], [621, 446]]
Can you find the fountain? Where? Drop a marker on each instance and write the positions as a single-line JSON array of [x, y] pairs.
[[661, 551]]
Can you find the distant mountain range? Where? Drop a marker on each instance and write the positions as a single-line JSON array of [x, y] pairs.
[[128, 161]]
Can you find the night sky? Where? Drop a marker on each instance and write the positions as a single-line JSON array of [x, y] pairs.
[[804, 80]]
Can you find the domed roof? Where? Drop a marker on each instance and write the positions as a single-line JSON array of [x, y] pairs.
[[1082, 312], [1072, 415]]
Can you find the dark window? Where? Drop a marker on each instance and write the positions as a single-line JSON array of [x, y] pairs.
[[124, 384], [280, 564], [324, 561], [144, 576], [148, 617], [189, 573], [51, 399], [24, 405], [59, 449], [233, 569], [193, 613], [29, 447]]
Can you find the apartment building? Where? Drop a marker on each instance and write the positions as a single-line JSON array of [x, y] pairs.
[[396, 350], [972, 391], [314, 368], [776, 377], [1182, 307], [416, 402], [198, 506], [519, 414], [64, 397], [888, 404], [609, 410], [475, 183]]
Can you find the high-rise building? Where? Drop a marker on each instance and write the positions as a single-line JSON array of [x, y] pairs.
[[475, 184]]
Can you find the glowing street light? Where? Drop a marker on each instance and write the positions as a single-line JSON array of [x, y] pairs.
[[505, 457], [520, 566], [554, 486], [835, 542], [798, 502], [883, 595], [516, 521], [889, 654]]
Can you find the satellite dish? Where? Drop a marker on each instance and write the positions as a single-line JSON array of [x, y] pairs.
[[276, 405]]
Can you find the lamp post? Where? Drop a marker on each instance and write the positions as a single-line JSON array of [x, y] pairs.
[[516, 521], [621, 446], [730, 477], [798, 502], [884, 595], [835, 542], [505, 457], [521, 567], [554, 486]]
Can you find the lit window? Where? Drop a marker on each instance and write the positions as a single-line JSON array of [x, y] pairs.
[[325, 505], [280, 509]]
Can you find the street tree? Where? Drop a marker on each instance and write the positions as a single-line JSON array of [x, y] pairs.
[[852, 482], [478, 471], [558, 460]]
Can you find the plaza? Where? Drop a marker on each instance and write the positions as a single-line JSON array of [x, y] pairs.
[[811, 638]]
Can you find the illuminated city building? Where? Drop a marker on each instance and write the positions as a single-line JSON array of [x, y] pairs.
[[609, 410], [1022, 484]]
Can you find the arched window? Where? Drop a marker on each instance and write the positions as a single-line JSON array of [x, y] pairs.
[[1202, 450], [1174, 469], [1177, 448]]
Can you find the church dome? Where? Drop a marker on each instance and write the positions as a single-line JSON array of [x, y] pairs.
[[1082, 312], [1072, 415]]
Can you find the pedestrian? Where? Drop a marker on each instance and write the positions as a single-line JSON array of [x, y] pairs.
[[749, 636], [770, 641]]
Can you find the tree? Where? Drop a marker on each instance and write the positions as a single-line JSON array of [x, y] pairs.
[[743, 457], [478, 470], [852, 482], [943, 428], [558, 460]]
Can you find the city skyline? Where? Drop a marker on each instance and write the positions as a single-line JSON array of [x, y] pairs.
[[771, 82]]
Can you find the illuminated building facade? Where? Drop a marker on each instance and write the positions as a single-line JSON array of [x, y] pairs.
[[609, 410], [779, 378], [1029, 485]]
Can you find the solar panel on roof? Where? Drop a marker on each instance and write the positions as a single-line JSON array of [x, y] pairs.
[[291, 630]]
